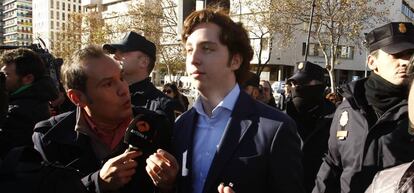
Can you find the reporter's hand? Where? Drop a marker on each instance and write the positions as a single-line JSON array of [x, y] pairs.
[[162, 167], [224, 189], [118, 170]]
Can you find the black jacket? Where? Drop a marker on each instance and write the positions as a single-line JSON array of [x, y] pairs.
[[57, 141], [144, 94], [26, 108], [258, 153], [360, 144], [313, 128]]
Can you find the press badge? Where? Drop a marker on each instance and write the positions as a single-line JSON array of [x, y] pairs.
[[343, 121]]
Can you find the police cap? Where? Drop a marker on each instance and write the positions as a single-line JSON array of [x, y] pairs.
[[392, 38], [132, 42], [307, 71]]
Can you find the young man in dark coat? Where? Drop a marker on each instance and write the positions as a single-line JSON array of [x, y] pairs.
[[29, 93], [137, 56], [313, 115], [369, 131], [90, 139], [227, 142]]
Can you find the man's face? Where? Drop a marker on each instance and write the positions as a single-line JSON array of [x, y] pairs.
[[391, 67], [107, 96], [208, 61], [132, 62], [265, 91], [13, 81]]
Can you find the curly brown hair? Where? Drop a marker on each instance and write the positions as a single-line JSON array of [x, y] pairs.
[[233, 35]]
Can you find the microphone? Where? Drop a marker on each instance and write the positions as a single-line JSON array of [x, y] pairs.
[[142, 134]]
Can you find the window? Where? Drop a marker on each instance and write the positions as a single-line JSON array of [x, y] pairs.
[[63, 16], [346, 52], [57, 15], [57, 5], [63, 5], [51, 25], [51, 14], [51, 3]]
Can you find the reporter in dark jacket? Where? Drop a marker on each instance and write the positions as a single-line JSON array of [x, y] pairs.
[[90, 139]]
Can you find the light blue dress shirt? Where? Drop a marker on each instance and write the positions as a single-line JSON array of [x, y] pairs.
[[207, 136]]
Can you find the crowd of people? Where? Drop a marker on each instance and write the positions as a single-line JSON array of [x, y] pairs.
[[233, 137]]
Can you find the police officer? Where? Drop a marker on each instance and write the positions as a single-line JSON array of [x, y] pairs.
[[312, 114], [370, 131], [137, 56]]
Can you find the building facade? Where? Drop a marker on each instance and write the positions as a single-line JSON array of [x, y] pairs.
[[17, 22], [50, 17]]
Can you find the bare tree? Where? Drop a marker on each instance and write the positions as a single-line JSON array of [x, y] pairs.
[[261, 20], [336, 22], [80, 29]]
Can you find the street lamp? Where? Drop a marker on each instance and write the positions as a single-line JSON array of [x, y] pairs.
[[309, 30]]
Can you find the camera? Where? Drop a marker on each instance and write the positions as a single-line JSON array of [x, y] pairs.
[[52, 64]]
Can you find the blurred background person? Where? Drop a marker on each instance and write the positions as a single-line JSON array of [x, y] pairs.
[[335, 98], [29, 91], [251, 85], [312, 114], [266, 94], [171, 90]]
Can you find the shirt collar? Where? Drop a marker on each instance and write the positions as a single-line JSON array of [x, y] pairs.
[[227, 103]]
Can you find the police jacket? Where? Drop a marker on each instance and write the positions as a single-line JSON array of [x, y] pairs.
[[57, 141], [313, 128], [26, 108], [144, 94], [361, 144]]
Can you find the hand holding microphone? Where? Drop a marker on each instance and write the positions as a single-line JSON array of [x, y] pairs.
[[142, 134]]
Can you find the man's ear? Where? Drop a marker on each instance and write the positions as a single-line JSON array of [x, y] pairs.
[[28, 79], [372, 63], [236, 61], [144, 62], [77, 97]]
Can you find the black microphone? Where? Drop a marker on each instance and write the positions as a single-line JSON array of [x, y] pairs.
[[142, 134]]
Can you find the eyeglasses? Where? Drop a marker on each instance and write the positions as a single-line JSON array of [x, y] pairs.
[[167, 91]]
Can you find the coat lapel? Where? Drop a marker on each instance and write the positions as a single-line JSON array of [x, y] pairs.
[[184, 147], [237, 126]]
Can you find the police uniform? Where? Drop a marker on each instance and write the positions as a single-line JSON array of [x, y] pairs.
[[143, 93], [363, 141], [313, 125]]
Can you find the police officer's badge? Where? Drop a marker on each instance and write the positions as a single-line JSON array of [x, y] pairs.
[[300, 66], [343, 120], [402, 28]]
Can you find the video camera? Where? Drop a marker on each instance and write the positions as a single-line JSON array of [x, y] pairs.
[[52, 64]]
